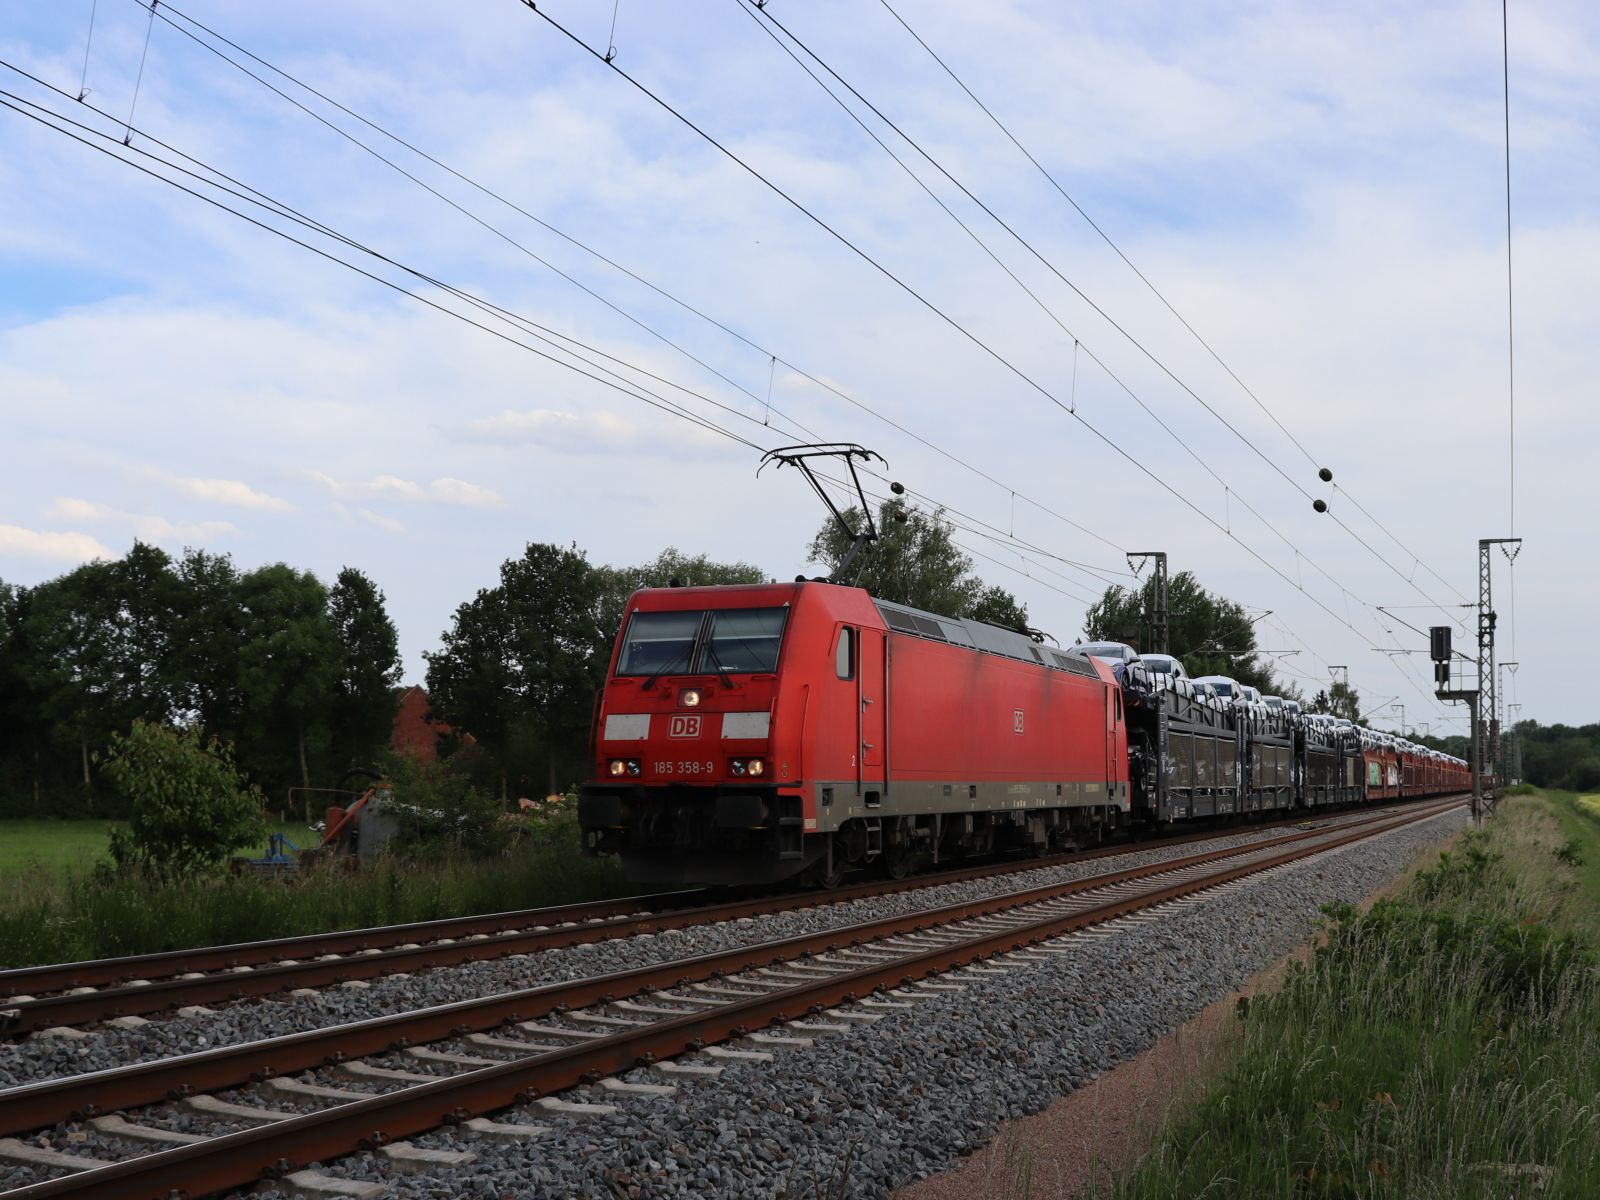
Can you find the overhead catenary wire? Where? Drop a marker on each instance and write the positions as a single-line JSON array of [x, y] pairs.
[[458, 207], [710, 426], [252, 196], [1095, 225], [1228, 490], [1159, 295], [751, 10], [813, 378], [406, 291], [995, 258], [926, 303], [260, 199], [846, 491]]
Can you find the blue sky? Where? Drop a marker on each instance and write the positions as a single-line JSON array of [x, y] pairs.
[[1318, 190]]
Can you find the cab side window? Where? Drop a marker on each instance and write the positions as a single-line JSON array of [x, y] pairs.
[[844, 658]]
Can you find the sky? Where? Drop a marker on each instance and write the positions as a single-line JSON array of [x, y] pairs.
[[1316, 191]]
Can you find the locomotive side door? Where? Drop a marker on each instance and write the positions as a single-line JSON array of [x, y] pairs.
[[873, 701]]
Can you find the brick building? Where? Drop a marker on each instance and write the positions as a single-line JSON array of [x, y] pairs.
[[413, 732]]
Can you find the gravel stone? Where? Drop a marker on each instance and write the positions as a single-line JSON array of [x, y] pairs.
[[32, 1060], [854, 1114]]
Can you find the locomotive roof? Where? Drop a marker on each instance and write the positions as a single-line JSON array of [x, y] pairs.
[[981, 636], [901, 618]]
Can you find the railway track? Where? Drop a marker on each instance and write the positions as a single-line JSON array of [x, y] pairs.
[[584, 1031], [34, 999]]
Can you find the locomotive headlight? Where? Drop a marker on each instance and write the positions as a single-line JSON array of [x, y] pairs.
[[623, 766], [736, 766], [689, 698], [633, 766], [754, 767]]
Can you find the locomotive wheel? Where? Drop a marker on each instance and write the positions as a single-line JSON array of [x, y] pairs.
[[828, 880], [897, 862]]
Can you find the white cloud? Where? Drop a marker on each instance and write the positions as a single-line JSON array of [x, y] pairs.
[[381, 521], [557, 429], [597, 431], [458, 491], [231, 492], [15, 541], [392, 487], [148, 527]]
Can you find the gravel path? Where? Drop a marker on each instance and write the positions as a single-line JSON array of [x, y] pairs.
[[46, 1058], [859, 1114]]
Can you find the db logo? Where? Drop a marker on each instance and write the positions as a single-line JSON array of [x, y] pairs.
[[1016, 720], [684, 727]]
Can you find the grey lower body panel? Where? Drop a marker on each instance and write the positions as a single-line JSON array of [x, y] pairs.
[[840, 801]]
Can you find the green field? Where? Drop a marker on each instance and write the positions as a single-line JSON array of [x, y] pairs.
[[56, 846], [54, 907]]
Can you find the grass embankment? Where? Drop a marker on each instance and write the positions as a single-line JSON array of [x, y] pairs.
[[1447, 1043], [61, 914]]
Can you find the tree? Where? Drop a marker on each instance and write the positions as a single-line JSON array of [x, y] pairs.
[[190, 808], [101, 646], [364, 700], [516, 668], [25, 758], [1341, 700], [288, 660], [210, 628], [1211, 634], [1345, 701], [916, 562], [998, 607]]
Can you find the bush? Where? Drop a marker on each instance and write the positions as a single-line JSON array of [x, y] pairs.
[[189, 806], [1463, 872], [438, 808]]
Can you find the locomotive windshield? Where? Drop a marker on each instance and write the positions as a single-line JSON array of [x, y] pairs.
[[744, 639], [660, 642], [727, 640]]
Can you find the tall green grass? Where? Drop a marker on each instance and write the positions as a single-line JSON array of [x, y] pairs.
[[1446, 1044], [61, 916]]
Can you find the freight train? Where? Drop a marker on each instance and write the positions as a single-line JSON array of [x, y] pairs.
[[751, 734]]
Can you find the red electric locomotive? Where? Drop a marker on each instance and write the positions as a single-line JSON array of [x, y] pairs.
[[756, 733], [751, 734]]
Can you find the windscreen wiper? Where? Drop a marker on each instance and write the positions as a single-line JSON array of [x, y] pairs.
[[722, 673], [687, 657], [667, 669]]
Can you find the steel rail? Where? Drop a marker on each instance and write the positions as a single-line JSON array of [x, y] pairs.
[[51, 977], [278, 964], [36, 1105], [96, 972], [240, 1159], [402, 948]]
